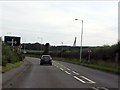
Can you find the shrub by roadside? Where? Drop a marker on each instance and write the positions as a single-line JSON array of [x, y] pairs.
[[10, 55]]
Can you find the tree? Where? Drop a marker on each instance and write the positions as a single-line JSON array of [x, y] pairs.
[[47, 48]]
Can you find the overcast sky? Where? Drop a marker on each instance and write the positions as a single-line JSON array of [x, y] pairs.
[[54, 21]]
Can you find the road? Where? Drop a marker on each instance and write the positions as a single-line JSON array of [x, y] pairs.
[[63, 75]]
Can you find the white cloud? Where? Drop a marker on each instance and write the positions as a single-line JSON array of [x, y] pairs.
[[54, 21]]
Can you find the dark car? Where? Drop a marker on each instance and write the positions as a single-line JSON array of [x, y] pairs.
[[46, 59]]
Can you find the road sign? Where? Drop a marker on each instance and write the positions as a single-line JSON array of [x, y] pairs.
[[12, 40]]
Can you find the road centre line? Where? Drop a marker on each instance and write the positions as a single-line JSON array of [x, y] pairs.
[[68, 69], [99, 88], [88, 79], [75, 73], [54, 64], [95, 88], [61, 69], [67, 72], [79, 79], [63, 66]]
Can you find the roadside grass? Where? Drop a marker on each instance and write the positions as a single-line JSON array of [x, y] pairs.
[[33, 51], [100, 65], [104, 66], [0, 68], [10, 66]]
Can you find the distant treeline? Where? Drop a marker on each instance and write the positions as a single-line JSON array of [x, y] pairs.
[[105, 53], [38, 46]]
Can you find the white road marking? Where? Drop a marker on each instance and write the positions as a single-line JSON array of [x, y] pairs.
[[88, 79], [54, 65], [68, 69], [98, 88], [67, 72], [61, 65], [79, 79], [95, 88], [75, 73], [61, 69]]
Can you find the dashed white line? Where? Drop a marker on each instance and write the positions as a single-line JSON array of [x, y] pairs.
[[95, 88], [54, 65], [75, 73], [67, 72], [79, 79], [88, 79], [99, 88], [68, 69], [61, 69], [105, 88]]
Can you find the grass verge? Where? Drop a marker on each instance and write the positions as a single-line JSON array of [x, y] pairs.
[[10, 66], [104, 66]]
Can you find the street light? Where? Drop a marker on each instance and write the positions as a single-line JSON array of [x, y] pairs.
[[62, 49], [81, 39]]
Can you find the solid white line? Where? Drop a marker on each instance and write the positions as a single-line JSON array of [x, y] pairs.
[[88, 79], [67, 72], [75, 73], [79, 79], [61, 69]]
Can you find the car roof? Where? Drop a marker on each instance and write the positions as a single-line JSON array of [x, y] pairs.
[[45, 55]]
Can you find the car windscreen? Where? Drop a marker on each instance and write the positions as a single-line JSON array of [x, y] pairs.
[[46, 57]]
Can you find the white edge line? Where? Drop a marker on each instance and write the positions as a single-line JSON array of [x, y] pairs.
[[88, 79], [79, 79], [67, 72], [75, 73]]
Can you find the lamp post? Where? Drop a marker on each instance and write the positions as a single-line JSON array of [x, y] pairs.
[[62, 49], [81, 38]]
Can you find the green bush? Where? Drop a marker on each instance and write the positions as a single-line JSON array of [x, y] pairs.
[[10, 55]]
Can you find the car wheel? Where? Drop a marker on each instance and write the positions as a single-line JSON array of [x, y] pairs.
[[50, 63], [41, 63]]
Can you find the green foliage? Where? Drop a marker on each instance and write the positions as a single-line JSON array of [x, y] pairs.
[[104, 53], [47, 48], [10, 55], [10, 66]]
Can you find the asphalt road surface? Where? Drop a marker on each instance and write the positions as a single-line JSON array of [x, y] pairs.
[[63, 75]]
